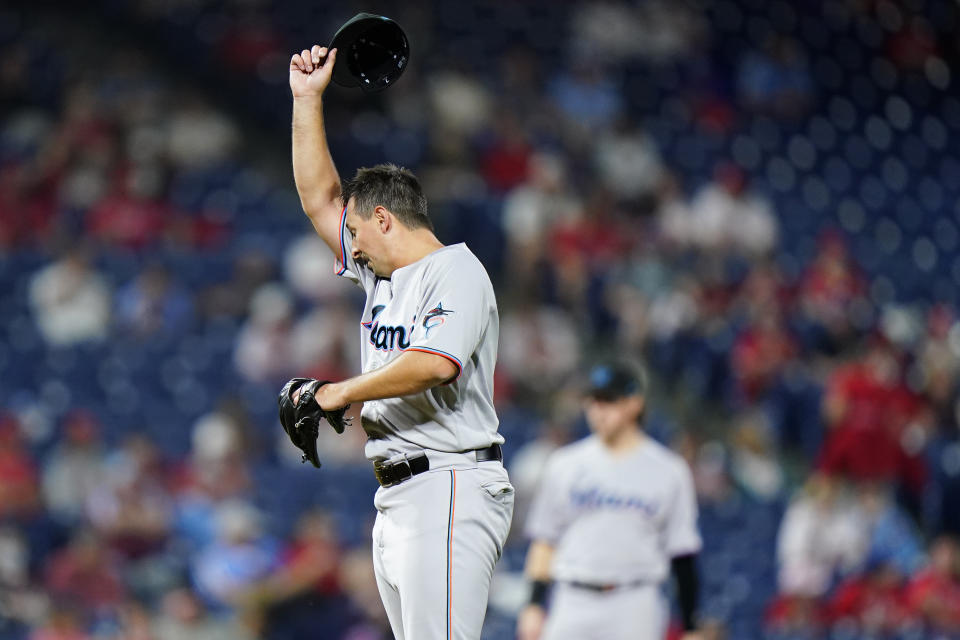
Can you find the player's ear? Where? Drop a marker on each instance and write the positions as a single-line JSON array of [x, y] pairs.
[[384, 219]]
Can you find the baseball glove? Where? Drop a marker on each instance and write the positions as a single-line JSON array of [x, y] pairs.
[[301, 420]]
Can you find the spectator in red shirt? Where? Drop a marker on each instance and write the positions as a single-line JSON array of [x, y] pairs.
[[598, 237], [132, 509], [249, 41], [875, 599], [506, 162], [828, 287], [85, 574], [304, 587], [134, 215], [760, 353], [27, 204], [866, 408], [311, 563], [19, 486], [934, 594], [914, 44]]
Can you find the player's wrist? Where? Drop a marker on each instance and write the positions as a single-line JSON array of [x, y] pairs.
[[336, 395], [309, 98], [539, 590]]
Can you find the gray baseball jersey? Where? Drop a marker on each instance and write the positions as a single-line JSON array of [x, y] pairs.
[[615, 519], [442, 304]]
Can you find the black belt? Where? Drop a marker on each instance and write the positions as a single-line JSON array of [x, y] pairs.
[[604, 588], [390, 474]]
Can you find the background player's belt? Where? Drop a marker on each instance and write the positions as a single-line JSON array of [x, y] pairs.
[[390, 474], [603, 588]]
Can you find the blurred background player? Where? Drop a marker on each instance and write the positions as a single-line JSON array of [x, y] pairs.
[[615, 513]]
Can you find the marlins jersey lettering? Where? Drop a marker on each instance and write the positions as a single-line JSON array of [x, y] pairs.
[[442, 304], [615, 519]]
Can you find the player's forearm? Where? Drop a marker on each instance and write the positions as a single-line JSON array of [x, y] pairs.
[[412, 372], [539, 562], [318, 182], [537, 571]]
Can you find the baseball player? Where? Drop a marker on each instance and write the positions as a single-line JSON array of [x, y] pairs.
[[614, 513], [429, 342]]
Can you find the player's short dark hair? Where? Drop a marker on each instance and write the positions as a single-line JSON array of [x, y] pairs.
[[389, 186]]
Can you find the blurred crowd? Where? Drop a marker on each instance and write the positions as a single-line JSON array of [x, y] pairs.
[[850, 556], [661, 182], [116, 542]]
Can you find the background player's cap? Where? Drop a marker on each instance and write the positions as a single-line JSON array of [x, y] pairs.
[[614, 380], [372, 52]]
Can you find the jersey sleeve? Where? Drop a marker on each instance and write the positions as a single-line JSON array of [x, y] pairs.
[[682, 536], [344, 265], [452, 315], [549, 513]]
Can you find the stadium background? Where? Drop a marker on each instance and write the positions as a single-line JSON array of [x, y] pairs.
[[760, 198]]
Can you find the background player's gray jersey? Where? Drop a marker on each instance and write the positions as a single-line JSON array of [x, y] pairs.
[[615, 519], [442, 304]]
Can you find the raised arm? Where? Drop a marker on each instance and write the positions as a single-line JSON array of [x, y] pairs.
[[318, 182]]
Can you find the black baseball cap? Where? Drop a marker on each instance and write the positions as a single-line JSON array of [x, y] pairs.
[[614, 380], [372, 52]]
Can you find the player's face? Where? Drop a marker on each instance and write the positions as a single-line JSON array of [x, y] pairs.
[[610, 419], [365, 237]]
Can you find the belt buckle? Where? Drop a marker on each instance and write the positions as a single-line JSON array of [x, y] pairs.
[[380, 471], [394, 473]]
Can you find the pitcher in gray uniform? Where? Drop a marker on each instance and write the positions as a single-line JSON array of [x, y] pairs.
[[429, 344], [615, 512]]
